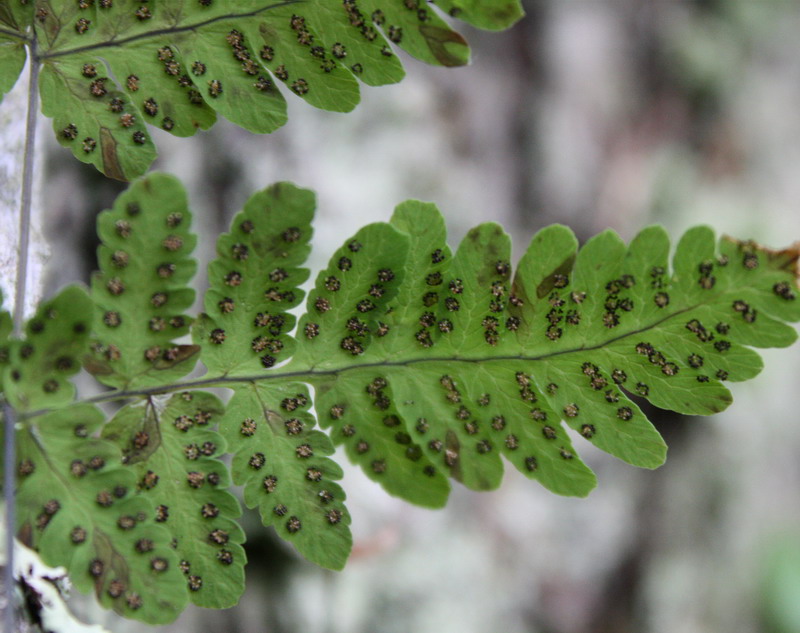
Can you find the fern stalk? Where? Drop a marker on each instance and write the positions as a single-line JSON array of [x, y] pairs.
[[23, 248], [309, 375], [9, 417], [27, 192]]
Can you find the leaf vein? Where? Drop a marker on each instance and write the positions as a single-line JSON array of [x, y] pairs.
[[311, 374], [164, 31]]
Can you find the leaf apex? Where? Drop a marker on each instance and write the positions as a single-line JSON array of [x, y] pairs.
[[787, 259], [583, 493], [659, 458]]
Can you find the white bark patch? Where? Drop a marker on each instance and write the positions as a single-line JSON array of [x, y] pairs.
[[13, 111]]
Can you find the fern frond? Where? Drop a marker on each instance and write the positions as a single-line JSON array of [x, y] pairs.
[[286, 470], [36, 374], [15, 21], [143, 287], [77, 505], [108, 69], [475, 362], [172, 449], [429, 365], [12, 60], [425, 364], [254, 281]]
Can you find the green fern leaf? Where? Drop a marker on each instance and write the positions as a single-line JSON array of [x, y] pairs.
[[386, 447], [109, 69], [142, 288], [16, 16], [77, 507], [285, 469], [12, 51], [95, 120], [493, 16], [463, 362], [381, 447], [38, 368], [353, 296], [359, 299], [172, 450], [254, 281], [428, 365], [415, 408]]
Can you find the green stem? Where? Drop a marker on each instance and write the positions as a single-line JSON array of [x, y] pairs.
[[166, 31], [15, 34], [9, 415], [311, 374], [9, 582]]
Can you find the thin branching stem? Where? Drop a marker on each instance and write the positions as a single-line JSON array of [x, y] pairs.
[[9, 415], [15, 34]]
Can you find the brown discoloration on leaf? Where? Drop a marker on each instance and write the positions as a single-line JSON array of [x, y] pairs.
[[25, 534], [111, 165], [437, 39], [452, 455], [489, 243], [548, 283], [151, 426], [184, 352], [50, 25], [787, 259], [96, 367], [114, 564], [268, 33]]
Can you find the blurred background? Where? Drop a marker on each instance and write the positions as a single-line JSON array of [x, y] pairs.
[[595, 114]]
